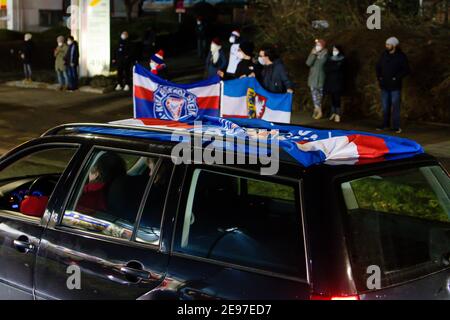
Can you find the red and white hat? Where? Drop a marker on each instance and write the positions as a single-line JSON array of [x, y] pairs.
[[236, 33], [158, 57]]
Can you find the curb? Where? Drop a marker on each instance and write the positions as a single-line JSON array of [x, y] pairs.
[[55, 87]]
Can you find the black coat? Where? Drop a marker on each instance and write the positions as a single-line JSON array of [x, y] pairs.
[[123, 53], [392, 69], [335, 75], [274, 78], [27, 51], [73, 55]]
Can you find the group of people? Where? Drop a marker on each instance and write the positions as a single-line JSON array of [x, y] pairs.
[[66, 56], [327, 75]]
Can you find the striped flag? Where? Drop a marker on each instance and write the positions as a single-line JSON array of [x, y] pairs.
[[157, 98], [247, 99]]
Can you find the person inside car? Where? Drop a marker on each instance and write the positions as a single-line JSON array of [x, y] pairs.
[[108, 167]]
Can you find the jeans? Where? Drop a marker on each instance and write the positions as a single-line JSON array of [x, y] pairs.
[[72, 76], [27, 70], [62, 78], [336, 103], [391, 101]]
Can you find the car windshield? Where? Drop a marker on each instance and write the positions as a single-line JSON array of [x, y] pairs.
[[398, 222]]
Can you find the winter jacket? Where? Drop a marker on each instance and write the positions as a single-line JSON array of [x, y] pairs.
[[27, 51], [316, 63], [123, 53], [212, 68], [274, 78], [60, 53], [391, 69], [245, 68], [73, 55], [335, 75]]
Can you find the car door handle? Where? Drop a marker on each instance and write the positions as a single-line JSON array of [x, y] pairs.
[[137, 274], [24, 246]]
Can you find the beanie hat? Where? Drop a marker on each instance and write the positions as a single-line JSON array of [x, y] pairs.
[[247, 48], [158, 57], [322, 42], [393, 41], [217, 41]]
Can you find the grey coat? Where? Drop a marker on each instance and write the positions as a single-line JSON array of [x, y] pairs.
[[316, 63]]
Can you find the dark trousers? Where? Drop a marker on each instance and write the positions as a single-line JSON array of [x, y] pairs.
[[123, 73], [72, 77], [391, 100], [202, 48], [336, 103]]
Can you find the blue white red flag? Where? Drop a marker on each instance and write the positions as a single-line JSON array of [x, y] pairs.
[[157, 98], [246, 99]]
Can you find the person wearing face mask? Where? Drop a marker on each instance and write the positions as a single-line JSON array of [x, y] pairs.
[[391, 69], [216, 61], [26, 56], [157, 65], [334, 81], [123, 61], [71, 61], [316, 80], [272, 74], [246, 67], [201, 31], [60, 67], [234, 54]]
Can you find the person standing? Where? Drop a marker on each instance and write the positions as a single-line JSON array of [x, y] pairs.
[[157, 65], [72, 61], [316, 81], [60, 67], [216, 61], [273, 75], [201, 31], [246, 67], [391, 69], [334, 81], [26, 55], [234, 58], [123, 61]]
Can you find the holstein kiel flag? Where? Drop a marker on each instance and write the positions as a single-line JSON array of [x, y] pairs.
[[157, 98], [247, 99]]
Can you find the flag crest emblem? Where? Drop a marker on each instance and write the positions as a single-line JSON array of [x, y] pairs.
[[175, 103], [256, 104]]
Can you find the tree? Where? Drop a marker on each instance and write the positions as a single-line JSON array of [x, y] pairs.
[[129, 5]]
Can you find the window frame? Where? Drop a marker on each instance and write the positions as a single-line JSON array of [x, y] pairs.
[[101, 237], [338, 183], [21, 154], [248, 175]]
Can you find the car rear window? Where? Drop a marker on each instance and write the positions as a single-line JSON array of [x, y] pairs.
[[399, 222]]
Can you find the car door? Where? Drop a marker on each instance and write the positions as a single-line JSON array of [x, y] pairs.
[[28, 179], [238, 236], [105, 241]]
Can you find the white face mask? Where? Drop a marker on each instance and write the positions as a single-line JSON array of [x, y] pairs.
[[69, 42], [319, 48], [215, 48], [124, 37], [153, 65], [262, 61], [232, 39], [335, 53], [199, 22], [60, 44]]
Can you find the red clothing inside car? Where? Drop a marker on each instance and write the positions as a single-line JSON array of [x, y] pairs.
[[34, 206], [93, 198]]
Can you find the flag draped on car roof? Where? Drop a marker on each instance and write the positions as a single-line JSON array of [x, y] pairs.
[[307, 146]]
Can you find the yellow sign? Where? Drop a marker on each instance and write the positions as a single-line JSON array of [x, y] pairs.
[[3, 4], [94, 3]]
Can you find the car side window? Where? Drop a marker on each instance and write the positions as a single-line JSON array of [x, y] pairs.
[[27, 184], [109, 193], [234, 219]]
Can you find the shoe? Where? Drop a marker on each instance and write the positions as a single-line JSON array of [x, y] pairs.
[[118, 88], [333, 117], [381, 129], [398, 131], [126, 88], [319, 114], [337, 119]]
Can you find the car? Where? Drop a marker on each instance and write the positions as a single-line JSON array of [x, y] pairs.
[[104, 211]]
